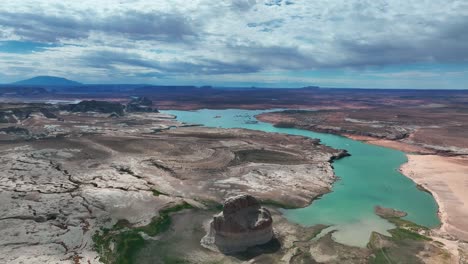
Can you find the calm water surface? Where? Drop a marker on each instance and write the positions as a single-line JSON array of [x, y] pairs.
[[368, 178]]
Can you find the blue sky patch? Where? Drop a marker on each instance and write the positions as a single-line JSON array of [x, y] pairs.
[[14, 46]]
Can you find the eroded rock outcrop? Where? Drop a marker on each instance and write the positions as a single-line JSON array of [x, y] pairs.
[[95, 106], [141, 104], [243, 223], [16, 113], [388, 212]]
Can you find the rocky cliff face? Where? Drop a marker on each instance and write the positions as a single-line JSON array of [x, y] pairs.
[[95, 106], [242, 224], [141, 104], [17, 113]]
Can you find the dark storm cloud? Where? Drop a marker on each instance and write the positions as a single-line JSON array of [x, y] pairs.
[[109, 59], [137, 25], [452, 41], [43, 28], [277, 2], [246, 59], [273, 57], [243, 5], [211, 66], [131, 24], [447, 43], [376, 53], [267, 26]]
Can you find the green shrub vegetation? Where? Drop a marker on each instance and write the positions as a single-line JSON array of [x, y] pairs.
[[119, 244]]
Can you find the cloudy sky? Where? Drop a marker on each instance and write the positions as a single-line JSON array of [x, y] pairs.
[[276, 43]]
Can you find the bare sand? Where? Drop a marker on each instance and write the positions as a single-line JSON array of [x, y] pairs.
[[447, 179], [398, 145]]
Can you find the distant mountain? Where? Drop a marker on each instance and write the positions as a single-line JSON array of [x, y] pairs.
[[48, 80]]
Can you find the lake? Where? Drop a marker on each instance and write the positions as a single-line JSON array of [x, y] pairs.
[[369, 177]]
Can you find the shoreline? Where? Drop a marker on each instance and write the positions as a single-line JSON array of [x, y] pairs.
[[443, 177], [452, 231], [393, 144], [436, 175]]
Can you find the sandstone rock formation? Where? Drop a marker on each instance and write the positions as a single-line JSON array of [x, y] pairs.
[[243, 223], [81, 172], [141, 104], [16, 113], [95, 106]]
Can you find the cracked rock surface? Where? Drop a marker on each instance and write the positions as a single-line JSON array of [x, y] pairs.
[[59, 186]]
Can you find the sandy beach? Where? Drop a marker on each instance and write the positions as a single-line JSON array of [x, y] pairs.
[[446, 178], [405, 147]]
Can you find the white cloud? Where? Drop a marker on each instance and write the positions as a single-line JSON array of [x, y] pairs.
[[205, 38]]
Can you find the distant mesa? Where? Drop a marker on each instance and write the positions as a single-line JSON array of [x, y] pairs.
[[242, 224], [23, 90], [15, 115], [140, 104], [48, 80], [115, 109], [311, 87], [105, 107]]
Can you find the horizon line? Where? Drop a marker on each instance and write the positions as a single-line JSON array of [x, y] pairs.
[[227, 87]]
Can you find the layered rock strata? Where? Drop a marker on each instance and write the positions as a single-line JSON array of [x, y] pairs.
[[243, 223]]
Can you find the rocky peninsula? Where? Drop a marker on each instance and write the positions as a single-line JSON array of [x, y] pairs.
[[77, 179]]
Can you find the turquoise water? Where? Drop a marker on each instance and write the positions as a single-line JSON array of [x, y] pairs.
[[368, 178]]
